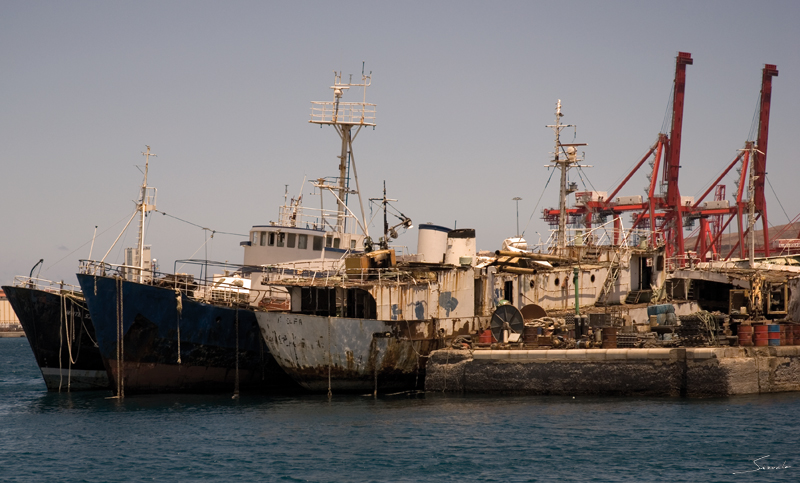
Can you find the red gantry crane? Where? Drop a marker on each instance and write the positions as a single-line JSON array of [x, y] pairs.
[[664, 211]]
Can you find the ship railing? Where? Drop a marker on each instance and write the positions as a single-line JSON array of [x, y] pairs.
[[356, 113], [312, 218], [44, 284], [335, 274], [233, 287], [307, 268], [214, 289], [103, 269]]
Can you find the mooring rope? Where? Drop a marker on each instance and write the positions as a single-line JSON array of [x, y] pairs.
[[416, 352], [329, 358], [77, 301], [375, 369], [179, 308], [70, 332], [60, 344], [120, 342], [70, 329], [236, 387], [446, 370]]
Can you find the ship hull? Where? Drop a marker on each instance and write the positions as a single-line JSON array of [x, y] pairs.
[[353, 355], [61, 334], [172, 346]]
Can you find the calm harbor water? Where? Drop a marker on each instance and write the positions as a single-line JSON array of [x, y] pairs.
[[431, 437]]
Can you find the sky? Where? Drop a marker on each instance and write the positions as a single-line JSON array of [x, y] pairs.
[[221, 92]]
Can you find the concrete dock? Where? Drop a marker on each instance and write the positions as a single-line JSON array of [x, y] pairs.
[[672, 372]]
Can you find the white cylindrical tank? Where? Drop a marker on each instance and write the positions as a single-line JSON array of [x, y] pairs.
[[432, 243], [460, 247], [515, 244]]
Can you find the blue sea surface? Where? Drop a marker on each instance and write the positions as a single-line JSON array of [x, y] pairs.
[[86, 436]]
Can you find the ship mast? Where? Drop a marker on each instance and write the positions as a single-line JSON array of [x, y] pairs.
[[751, 205], [565, 163], [143, 208], [344, 116]]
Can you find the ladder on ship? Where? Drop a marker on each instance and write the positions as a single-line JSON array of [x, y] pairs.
[[613, 273], [611, 279]]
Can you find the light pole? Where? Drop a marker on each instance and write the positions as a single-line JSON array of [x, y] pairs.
[[517, 199]]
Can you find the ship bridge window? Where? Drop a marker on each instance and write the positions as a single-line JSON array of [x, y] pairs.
[[254, 238], [263, 238], [281, 239], [352, 244], [290, 240], [302, 242], [317, 243], [336, 243], [328, 241], [271, 238]]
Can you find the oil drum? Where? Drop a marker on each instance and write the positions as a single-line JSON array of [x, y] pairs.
[[609, 337], [746, 335], [761, 335], [774, 331], [530, 335]]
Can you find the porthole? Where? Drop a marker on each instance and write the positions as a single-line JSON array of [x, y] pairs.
[[532, 283], [592, 278], [558, 282]]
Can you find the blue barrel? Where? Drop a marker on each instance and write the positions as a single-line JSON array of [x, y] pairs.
[[774, 331], [660, 309]]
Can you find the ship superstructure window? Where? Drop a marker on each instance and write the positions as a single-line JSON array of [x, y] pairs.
[[328, 241], [324, 301], [352, 244], [255, 238], [281, 239], [360, 305], [317, 243], [302, 242], [263, 238], [336, 243], [508, 291], [271, 238], [290, 238]]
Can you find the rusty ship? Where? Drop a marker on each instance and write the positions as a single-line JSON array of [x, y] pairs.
[[372, 325]]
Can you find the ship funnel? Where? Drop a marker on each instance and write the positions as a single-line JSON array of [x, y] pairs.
[[460, 247], [432, 243]]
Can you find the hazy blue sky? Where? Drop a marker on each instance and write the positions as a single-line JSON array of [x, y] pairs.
[[221, 91]]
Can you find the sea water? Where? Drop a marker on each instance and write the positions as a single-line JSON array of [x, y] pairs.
[[85, 436]]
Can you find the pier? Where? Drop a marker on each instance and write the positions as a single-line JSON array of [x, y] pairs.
[[661, 372]]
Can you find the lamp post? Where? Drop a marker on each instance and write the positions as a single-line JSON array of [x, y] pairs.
[[517, 199]]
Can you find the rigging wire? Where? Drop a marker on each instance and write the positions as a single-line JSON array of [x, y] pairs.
[[87, 242], [668, 112], [778, 199], [200, 226], [537, 203], [195, 253], [581, 174], [754, 123]]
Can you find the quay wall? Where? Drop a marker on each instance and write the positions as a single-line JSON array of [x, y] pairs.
[[665, 372]]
